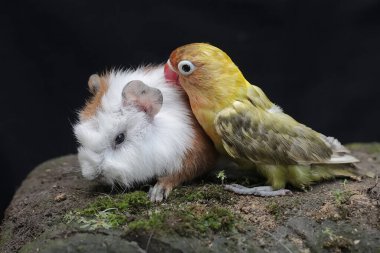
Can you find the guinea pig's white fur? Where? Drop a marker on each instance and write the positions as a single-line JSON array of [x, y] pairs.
[[152, 147]]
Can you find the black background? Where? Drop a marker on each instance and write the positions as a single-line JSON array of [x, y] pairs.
[[319, 60]]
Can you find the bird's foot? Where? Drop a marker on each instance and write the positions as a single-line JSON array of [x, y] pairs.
[[263, 191]]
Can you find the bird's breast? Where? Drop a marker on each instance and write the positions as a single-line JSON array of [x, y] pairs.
[[205, 109], [206, 120]]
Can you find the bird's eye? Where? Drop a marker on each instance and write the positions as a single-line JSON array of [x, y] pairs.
[[186, 67], [119, 139]]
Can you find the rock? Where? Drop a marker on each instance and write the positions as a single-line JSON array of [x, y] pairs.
[[56, 210], [60, 197]]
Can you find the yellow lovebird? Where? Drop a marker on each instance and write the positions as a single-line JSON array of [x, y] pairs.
[[247, 127]]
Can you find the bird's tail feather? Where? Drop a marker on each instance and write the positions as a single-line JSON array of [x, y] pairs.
[[302, 176], [341, 159], [340, 153], [321, 172]]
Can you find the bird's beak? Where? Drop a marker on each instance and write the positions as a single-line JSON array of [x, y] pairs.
[[170, 75]]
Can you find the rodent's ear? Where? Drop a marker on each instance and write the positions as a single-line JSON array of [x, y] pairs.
[[142, 96], [94, 83]]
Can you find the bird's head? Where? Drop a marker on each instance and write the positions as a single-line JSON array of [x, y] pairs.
[[200, 66]]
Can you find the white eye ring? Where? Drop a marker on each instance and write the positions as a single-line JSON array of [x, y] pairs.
[[185, 67]]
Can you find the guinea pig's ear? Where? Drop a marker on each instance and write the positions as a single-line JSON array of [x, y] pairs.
[[144, 97], [94, 83]]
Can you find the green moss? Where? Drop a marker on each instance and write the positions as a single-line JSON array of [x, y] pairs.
[[206, 193], [133, 202], [341, 196], [102, 220], [217, 219], [186, 220], [109, 211], [274, 209], [191, 196], [188, 211], [332, 240], [222, 176], [151, 222]]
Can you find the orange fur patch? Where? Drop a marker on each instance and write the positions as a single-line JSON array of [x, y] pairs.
[[93, 104], [200, 158]]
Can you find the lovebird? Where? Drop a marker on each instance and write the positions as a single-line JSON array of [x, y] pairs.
[[248, 128]]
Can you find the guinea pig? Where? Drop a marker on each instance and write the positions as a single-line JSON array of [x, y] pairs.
[[137, 127]]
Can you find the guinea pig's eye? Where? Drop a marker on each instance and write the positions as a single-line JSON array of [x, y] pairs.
[[119, 139], [186, 67]]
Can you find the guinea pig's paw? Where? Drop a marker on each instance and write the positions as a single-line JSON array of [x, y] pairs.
[[159, 192]]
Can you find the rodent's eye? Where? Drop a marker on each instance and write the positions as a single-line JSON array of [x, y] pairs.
[[119, 139], [186, 67]]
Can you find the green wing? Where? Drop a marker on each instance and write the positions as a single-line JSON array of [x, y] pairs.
[[268, 137]]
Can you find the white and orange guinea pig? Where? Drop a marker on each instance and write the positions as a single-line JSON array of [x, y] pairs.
[[137, 128]]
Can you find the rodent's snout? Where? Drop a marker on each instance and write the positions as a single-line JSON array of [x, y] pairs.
[[90, 162]]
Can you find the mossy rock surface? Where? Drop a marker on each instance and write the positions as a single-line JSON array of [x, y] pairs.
[[56, 210]]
